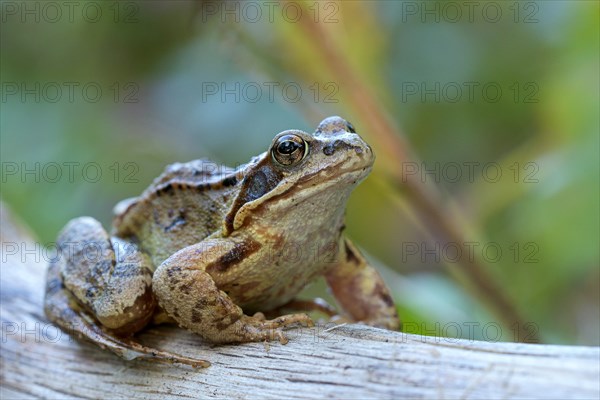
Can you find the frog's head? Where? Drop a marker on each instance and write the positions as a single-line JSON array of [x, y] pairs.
[[333, 152], [322, 168]]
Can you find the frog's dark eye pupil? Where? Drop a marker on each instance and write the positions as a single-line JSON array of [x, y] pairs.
[[289, 150], [287, 147]]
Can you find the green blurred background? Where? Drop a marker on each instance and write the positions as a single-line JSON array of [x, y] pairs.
[[112, 92]]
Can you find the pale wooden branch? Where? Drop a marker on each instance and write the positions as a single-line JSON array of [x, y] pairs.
[[352, 361]]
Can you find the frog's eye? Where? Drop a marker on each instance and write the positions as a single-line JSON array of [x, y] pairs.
[[289, 150]]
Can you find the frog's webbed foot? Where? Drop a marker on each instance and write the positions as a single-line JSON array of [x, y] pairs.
[[257, 328], [189, 294], [62, 308]]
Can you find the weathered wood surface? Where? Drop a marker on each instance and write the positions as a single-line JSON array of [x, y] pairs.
[[352, 361]]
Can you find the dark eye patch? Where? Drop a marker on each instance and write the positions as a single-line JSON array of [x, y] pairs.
[[255, 185]]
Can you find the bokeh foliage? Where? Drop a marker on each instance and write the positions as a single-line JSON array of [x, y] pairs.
[[155, 69]]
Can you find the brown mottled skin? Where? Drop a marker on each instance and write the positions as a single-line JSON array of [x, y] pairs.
[[212, 248]]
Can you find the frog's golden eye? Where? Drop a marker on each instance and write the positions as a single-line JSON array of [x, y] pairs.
[[289, 150]]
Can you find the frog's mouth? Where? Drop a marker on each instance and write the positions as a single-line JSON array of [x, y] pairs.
[[324, 179], [347, 169], [348, 176]]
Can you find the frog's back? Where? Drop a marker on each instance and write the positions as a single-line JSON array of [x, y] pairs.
[[184, 205]]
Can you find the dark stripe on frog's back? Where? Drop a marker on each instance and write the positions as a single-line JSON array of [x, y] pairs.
[[192, 172], [176, 214]]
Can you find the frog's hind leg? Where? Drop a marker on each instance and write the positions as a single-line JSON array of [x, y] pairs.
[[360, 290], [62, 309], [66, 309], [108, 276]]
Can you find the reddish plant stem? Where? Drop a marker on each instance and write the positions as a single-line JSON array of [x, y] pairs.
[[424, 199]]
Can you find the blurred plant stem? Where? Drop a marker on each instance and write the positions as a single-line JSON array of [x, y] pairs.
[[440, 221]]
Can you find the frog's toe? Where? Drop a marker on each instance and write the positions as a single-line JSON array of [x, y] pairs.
[[259, 316], [290, 320], [273, 329], [280, 336], [269, 334]]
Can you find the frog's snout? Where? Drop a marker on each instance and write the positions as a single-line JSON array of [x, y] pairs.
[[330, 148], [351, 152]]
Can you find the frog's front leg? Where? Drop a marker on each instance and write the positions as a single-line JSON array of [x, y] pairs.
[[360, 290], [190, 296]]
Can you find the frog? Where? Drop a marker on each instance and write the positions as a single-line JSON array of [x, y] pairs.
[[224, 252]]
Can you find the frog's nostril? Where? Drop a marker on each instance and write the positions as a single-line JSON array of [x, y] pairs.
[[329, 149], [358, 149]]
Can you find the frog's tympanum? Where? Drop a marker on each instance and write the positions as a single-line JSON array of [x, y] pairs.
[[219, 250]]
